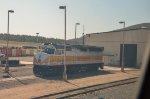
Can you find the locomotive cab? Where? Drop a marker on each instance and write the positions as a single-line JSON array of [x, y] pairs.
[[49, 50]]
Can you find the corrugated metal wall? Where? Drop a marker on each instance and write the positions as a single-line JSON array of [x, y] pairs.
[[111, 42]]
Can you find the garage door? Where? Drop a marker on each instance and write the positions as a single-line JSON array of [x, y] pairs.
[[130, 54]]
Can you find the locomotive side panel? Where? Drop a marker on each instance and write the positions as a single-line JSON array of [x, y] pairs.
[[55, 60], [54, 65]]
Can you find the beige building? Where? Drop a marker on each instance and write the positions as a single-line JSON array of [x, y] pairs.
[[135, 40]]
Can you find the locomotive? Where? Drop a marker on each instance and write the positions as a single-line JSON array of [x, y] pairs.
[[79, 58]]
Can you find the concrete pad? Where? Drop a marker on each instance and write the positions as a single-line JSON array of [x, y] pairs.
[[118, 68], [20, 78], [26, 62]]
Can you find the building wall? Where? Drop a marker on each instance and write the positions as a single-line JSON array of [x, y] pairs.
[[111, 42]]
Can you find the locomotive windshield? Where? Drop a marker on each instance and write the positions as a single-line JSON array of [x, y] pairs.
[[49, 50]]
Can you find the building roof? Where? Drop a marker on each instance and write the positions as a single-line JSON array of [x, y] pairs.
[[133, 27]]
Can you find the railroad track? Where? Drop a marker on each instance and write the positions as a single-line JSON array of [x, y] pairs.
[[88, 89]]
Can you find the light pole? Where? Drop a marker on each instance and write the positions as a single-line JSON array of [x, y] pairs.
[[7, 64], [83, 34], [37, 37], [122, 61], [37, 40], [83, 38], [76, 30], [65, 67]]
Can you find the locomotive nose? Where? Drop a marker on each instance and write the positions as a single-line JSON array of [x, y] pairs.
[[37, 59]]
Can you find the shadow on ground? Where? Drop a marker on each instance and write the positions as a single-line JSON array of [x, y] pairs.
[[77, 75]]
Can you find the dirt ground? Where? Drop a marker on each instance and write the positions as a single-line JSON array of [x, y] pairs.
[[45, 88]]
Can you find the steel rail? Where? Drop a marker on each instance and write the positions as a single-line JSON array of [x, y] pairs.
[[87, 89]]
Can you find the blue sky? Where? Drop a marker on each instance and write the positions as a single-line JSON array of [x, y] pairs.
[[45, 17]]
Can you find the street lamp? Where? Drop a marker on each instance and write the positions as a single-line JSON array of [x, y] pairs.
[[83, 34], [76, 30], [37, 37], [37, 40], [122, 61], [7, 64], [65, 67], [83, 38]]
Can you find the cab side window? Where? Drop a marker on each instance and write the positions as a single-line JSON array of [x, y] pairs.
[[49, 51]]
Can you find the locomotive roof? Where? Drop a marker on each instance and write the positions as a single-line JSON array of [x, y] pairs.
[[80, 47]]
